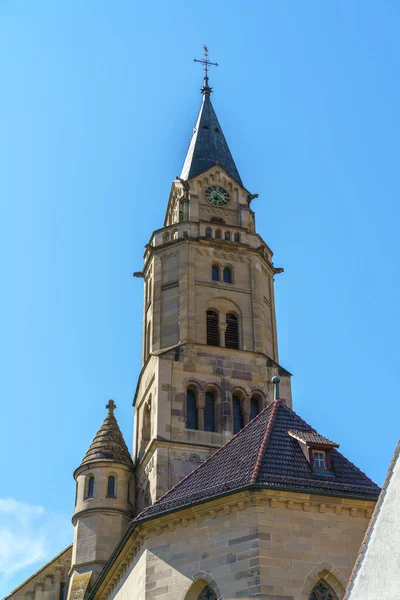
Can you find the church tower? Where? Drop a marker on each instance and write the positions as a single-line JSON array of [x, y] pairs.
[[209, 328]]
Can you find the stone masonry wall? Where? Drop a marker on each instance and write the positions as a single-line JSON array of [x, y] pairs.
[[269, 545]]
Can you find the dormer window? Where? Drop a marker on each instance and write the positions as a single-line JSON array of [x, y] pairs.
[[317, 450], [319, 459]]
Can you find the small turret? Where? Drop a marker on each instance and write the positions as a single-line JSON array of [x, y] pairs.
[[104, 498]]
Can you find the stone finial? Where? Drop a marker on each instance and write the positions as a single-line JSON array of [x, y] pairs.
[[111, 406], [276, 381]]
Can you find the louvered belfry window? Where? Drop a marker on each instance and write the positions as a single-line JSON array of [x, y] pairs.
[[237, 414], [212, 328], [209, 412], [232, 331], [191, 410], [254, 408]]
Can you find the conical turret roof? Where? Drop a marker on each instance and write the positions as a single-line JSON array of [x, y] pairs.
[[208, 145], [108, 443]]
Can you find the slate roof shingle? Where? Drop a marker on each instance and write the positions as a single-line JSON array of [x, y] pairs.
[[208, 146], [265, 455]]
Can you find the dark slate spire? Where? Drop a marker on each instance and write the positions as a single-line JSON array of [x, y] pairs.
[[208, 145], [108, 443]]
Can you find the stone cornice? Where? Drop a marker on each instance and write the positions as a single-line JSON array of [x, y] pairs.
[[231, 287], [213, 509], [96, 509], [216, 244]]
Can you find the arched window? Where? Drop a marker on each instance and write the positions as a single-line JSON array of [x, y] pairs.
[[166, 237], [218, 234], [238, 421], [212, 328], [191, 410], [227, 235], [232, 331], [208, 232], [147, 421], [215, 272], [111, 487], [227, 275], [207, 594], [236, 237], [209, 412], [148, 339], [147, 496], [254, 407], [322, 591], [175, 234], [90, 487]]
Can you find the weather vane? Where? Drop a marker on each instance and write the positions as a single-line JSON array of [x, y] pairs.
[[206, 63]]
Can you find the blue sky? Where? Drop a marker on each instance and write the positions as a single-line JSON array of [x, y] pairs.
[[97, 105]]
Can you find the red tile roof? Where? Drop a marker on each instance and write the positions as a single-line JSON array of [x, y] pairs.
[[264, 454]]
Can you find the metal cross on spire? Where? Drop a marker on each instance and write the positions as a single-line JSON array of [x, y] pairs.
[[206, 63]]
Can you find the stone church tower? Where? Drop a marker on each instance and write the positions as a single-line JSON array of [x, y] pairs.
[[228, 492], [209, 327]]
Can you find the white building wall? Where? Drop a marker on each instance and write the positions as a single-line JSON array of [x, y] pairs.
[[377, 574]]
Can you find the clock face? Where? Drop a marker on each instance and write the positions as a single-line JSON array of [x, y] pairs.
[[216, 195]]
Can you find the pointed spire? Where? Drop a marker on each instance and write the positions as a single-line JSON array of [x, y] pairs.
[[108, 443], [208, 145]]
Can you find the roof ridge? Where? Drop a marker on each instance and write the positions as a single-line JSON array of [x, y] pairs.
[[271, 421], [174, 487], [300, 418]]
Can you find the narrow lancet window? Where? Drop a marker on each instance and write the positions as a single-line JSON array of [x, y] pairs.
[[90, 488], [111, 487]]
